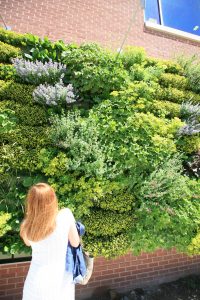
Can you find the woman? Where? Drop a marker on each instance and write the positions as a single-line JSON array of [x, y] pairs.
[[48, 231]]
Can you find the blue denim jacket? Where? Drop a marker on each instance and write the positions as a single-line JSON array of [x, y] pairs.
[[75, 262]]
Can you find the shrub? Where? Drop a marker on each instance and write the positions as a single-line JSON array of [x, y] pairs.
[[174, 80], [7, 52], [189, 110], [7, 120], [164, 219], [16, 92], [28, 115], [177, 96], [163, 109], [79, 138], [121, 201], [38, 72], [4, 227], [13, 38], [27, 136], [192, 127], [7, 72], [168, 65], [34, 47], [54, 95], [191, 66], [194, 247], [19, 158], [107, 223], [189, 144], [149, 74], [132, 55], [109, 247], [94, 72]]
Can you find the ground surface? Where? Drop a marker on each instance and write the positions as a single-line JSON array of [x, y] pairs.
[[187, 288]]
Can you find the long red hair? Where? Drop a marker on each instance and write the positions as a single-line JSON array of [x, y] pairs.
[[40, 212]]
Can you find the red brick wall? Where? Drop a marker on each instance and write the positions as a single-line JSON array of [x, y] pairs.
[[122, 274], [92, 20]]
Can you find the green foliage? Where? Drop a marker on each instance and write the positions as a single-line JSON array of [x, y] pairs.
[[4, 227], [148, 74], [189, 144], [164, 109], [16, 92], [27, 137], [116, 200], [146, 139], [7, 72], [13, 38], [167, 217], [115, 165], [19, 158], [94, 72], [191, 66], [174, 80], [43, 49], [34, 48], [27, 115], [108, 247], [7, 121], [79, 138], [132, 55], [107, 223], [177, 96], [169, 65], [194, 247], [7, 52]]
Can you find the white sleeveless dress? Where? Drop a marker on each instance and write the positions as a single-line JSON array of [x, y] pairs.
[[47, 278]]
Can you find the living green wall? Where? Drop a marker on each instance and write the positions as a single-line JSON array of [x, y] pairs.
[[117, 156]]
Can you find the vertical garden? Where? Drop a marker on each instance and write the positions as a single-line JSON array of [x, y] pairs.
[[118, 138]]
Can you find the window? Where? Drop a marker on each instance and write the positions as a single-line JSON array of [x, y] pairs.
[[183, 15]]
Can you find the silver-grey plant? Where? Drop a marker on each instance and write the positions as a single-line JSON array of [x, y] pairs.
[[54, 95], [190, 113], [189, 109], [38, 72]]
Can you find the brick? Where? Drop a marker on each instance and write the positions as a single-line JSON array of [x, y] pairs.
[[93, 23]]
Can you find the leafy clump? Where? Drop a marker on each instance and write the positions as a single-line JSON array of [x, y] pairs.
[[54, 95], [38, 72]]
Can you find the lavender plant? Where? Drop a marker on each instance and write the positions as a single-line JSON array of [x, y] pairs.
[[191, 113], [192, 127], [54, 95], [38, 72]]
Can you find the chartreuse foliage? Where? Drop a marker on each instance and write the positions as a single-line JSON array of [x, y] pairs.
[[114, 157], [7, 52]]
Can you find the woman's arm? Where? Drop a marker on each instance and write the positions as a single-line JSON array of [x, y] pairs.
[[73, 237]]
